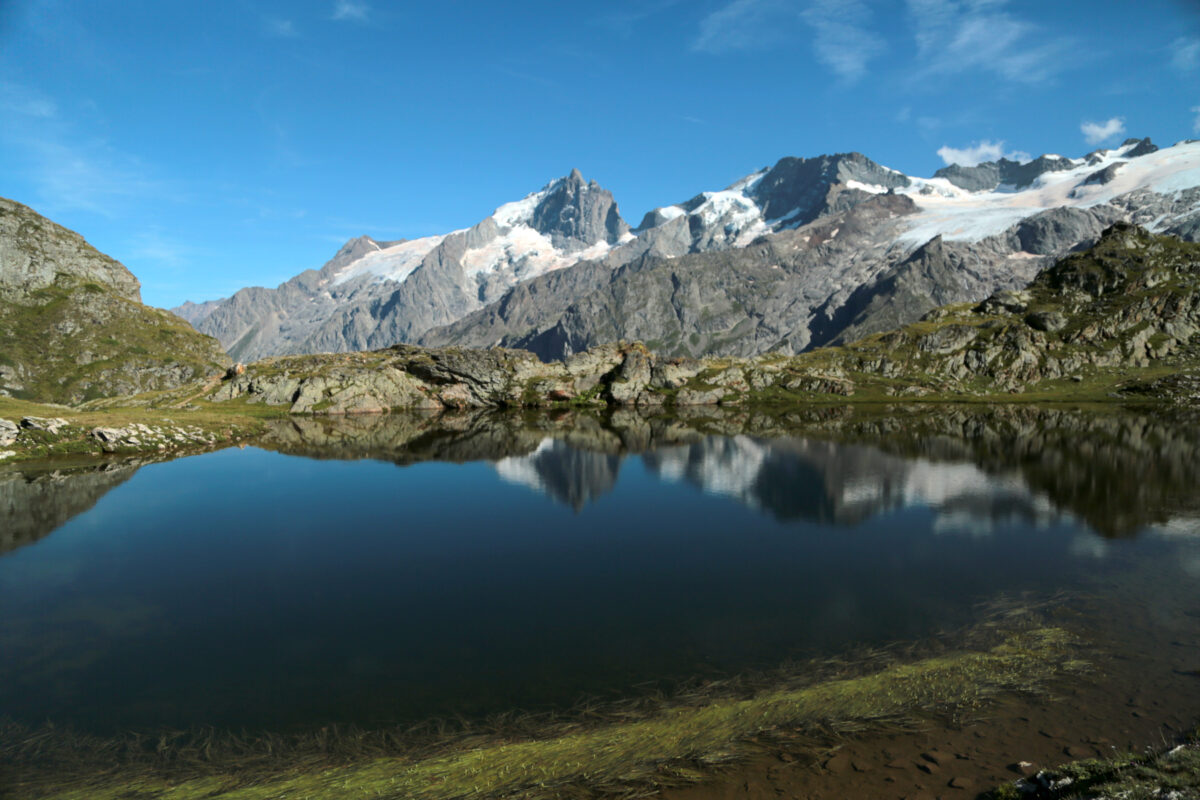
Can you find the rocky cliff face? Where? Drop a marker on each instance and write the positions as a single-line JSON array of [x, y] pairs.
[[73, 325], [37, 254]]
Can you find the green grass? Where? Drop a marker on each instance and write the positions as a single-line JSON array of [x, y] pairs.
[[228, 422], [51, 333], [677, 744]]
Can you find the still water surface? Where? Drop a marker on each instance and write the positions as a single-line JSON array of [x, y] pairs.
[[385, 570]]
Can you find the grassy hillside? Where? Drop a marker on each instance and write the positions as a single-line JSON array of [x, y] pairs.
[[72, 327]]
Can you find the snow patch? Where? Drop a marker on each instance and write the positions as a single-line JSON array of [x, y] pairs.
[[393, 263], [527, 252], [956, 214], [866, 187]]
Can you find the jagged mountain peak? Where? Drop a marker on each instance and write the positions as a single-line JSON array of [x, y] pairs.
[[795, 188], [573, 212]]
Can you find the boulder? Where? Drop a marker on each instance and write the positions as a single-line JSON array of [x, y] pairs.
[[48, 424], [8, 432], [1048, 321]]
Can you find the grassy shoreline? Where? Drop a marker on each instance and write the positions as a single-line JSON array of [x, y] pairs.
[[629, 751]]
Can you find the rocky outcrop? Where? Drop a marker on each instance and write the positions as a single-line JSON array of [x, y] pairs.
[[1130, 301], [992, 174], [72, 324], [37, 254]]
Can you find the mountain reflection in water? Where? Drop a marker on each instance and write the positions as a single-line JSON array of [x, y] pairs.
[[1118, 470], [377, 569]]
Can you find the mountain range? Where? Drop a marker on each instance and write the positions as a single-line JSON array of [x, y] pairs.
[[808, 252]]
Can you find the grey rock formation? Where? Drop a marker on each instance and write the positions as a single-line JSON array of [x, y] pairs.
[[36, 253], [575, 214], [1005, 172], [801, 189]]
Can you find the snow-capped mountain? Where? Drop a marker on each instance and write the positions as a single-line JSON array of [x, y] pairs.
[[372, 294], [957, 203], [825, 250], [807, 252]]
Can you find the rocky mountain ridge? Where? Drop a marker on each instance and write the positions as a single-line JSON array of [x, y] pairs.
[[805, 253], [1126, 310], [73, 324], [373, 293]]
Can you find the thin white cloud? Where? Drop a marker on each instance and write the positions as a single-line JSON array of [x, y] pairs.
[[985, 150], [19, 101], [746, 25], [154, 247], [624, 22], [282, 28], [1097, 132], [843, 43], [1196, 121], [67, 169], [954, 36], [351, 10], [841, 39], [1185, 53]]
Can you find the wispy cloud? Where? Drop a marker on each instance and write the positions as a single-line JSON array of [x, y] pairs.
[[624, 22], [351, 10], [843, 43], [1196, 121], [841, 39], [282, 28], [19, 101], [985, 150], [153, 246], [70, 170], [1097, 132], [1185, 53], [746, 25], [953, 36], [87, 175]]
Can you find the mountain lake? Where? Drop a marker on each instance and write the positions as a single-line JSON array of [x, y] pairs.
[[377, 573]]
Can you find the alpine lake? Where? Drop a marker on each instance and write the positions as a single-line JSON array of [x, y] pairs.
[[709, 604]]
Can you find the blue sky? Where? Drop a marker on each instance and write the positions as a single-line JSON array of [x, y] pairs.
[[221, 144]]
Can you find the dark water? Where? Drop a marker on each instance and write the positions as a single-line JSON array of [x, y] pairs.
[[387, 570]]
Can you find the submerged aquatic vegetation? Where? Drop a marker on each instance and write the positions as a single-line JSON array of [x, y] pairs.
[[673, 745]]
